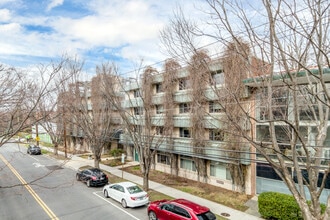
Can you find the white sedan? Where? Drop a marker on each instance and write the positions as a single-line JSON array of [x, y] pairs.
[[127, 193]]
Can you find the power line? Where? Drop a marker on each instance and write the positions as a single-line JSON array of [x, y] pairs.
[[225, 39]]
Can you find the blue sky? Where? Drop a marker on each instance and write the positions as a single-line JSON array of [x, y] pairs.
[[95, 31]]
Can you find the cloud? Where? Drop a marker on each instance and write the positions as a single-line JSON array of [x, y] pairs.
[[53, 4], [5, 15], [125, 31]]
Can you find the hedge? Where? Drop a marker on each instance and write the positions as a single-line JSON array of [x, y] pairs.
[[273, 205]]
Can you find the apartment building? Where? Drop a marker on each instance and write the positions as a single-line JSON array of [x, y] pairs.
[[88, 113], [300, 118], [188, 125]]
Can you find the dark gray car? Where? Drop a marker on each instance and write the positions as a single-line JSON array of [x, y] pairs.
[[33, 149]]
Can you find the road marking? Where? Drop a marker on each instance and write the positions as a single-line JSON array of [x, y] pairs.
[[38, 165], [95, 193], [31, 191]]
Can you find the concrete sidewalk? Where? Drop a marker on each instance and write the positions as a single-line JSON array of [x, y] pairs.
[[76, 162]]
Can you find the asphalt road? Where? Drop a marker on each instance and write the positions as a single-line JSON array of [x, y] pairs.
[[38, 187]]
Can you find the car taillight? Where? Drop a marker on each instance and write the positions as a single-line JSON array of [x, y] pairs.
[[133, 198], [94, 178]]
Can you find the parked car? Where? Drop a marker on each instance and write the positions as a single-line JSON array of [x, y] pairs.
[[92, 177], [127, 193], [178, 209], [33, 149]]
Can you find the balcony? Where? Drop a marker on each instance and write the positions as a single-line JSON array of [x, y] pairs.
[[183, 146], [182, 96], [133, 102]]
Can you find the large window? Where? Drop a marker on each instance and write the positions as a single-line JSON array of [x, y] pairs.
[[283, 133], [184, 132], [217, 78], [184, 108], [279, 105], [214, 107], [216, 135], [187, 163], [164, 159], [219, 170], [266, 171]]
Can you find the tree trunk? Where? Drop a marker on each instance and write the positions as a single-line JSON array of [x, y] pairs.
[[97, 161], [146, 181], [56, 149]]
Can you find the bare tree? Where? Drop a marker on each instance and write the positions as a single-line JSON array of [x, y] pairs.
[[91, 113], [13, 93], [141, 129], [290, 40], [22, 95], [53, 108]]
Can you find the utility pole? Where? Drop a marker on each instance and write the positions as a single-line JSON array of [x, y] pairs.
[[37, 135], [64, 138], [64, 134]]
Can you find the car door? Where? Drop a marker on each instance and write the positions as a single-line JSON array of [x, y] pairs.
[[114, 192], [85, 174], [121, 193]]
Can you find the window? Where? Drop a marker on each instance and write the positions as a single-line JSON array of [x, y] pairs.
[[184, 83], [159, 88], [217, 78], [214, 107], [159, 130], [216, 135], [219, 170], [164, 159], [187, 163], [266, 171], [184, 108], [159, 109], [180, 211], [138, 111], [184, 132], [137, 93]]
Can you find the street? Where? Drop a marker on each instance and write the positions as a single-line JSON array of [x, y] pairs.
[[38, 187]]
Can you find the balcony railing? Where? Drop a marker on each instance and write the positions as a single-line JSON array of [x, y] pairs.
[[183, 146]]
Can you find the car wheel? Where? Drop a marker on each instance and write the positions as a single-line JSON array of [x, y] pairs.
[[106, 195], [152, 216], [88, 183], [123, 203], [77, 177]]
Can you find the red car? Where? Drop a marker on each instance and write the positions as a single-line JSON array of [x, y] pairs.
[[178, 209]]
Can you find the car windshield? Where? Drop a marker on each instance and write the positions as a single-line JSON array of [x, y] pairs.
[[206, 216], [134, 189]]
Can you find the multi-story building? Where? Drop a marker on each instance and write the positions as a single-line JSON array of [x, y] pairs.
[[87, 104], [187, 117], [298, 110]]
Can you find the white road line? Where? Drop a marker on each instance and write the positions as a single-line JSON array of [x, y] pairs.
[[95, 193]]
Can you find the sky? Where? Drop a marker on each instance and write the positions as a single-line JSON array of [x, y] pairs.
[[36, 32]]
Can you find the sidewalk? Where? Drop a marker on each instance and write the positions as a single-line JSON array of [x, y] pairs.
[[251, 214]]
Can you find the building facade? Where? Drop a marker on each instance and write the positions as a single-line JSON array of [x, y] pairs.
[[296, 109], [189, 125]]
